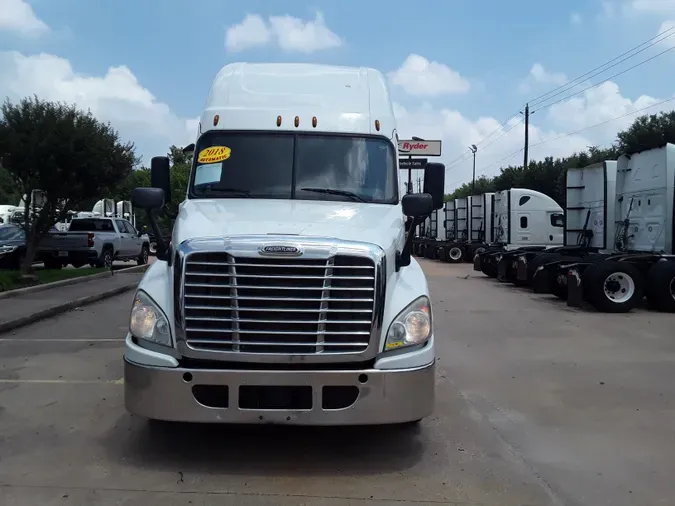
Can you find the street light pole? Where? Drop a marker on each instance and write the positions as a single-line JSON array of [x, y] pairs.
[[410, 184], [473, 149]]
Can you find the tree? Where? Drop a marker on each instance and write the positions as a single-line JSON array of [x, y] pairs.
[[66, 153]]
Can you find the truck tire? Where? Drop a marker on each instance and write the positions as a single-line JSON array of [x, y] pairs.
[[510, 273], [661, 286], [454, 254], [106, 259], [143, 257], [430, 252], [613, 287], [540, 259], [488, 267]]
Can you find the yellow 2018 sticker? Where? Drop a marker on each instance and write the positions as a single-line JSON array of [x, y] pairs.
[[214, 154]]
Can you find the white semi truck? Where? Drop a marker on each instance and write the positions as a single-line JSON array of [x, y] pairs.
[[621, 214], [524, 220], [287, 293]]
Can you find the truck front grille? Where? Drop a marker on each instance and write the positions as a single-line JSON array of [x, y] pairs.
[[278, 306]]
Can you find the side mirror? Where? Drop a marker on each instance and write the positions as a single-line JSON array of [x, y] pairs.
[[160, 177], [417, 205], [189, 149], [149, 199], [434, 183]]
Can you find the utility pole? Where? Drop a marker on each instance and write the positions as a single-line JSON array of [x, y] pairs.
[[527, 134], [419, 184], [410, 185], [473, 149]]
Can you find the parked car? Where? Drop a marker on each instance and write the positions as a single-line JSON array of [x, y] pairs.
[[94, 241], [12, 246]]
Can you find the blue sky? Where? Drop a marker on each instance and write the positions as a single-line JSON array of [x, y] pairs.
[[165, 54]]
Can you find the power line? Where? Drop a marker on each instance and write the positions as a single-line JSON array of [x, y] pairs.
[[548, 95], [482, 174], [608, 79]]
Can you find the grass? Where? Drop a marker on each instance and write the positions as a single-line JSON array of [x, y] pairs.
[[11, 280]]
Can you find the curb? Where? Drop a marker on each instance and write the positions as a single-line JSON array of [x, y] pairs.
[[71, 281], [22, 321]]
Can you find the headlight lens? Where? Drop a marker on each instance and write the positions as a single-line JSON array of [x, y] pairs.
[[148, 322], [7, 249], [411, 327]]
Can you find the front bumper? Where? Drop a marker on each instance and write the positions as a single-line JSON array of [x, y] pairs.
[[383, 396]]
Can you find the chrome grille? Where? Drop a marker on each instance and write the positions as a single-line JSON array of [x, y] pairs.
[[278, 306]]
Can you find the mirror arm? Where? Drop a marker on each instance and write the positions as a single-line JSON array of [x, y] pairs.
[[403, 257], [163, 252]]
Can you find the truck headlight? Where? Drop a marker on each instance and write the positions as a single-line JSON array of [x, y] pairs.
[[411, 327], [148, 321]]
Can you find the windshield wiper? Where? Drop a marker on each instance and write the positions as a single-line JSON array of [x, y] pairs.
[[332, 191], [215, 188]]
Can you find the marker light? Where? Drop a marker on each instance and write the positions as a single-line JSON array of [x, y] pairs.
[[411, 327]]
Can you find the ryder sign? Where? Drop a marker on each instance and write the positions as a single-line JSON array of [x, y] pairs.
[[419, 148]]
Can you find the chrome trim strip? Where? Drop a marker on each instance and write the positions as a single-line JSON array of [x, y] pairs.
[[314, 248]]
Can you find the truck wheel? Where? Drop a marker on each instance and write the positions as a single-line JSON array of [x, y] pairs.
[[143, 257], [106, 259], [540, 259], [487, 266], [613, 287], [661, 286], [454, 254]]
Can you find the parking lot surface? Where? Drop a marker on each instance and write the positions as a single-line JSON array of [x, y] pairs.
[[537, 404]]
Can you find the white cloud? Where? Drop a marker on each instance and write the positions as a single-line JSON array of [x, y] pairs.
[[575, 18], [117, 97], [503, 147], [539, 75], [419, 76], [251, 32], [289, 33], [18, 16]]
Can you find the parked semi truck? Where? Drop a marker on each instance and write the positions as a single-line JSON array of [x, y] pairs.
[[625, 248], [589, 224], [287, 293], [524, 220]]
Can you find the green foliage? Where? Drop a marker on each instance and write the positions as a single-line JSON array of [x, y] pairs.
[[548, 175], [65, 152]]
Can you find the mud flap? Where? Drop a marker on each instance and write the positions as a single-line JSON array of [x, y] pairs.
[[476, 263], [540, 281], [521, 269], [574, 288], [501, 270]]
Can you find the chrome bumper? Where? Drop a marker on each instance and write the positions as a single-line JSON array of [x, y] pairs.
[[384, 396]]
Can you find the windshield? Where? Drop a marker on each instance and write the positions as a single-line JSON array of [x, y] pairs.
[[295, 166], [87, 225], [11, 233]]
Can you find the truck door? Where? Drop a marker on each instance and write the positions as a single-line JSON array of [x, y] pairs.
[[126, 242], [523, 228], [134, 239]]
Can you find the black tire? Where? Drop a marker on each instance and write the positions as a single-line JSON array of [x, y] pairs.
[[53, 264], [488, 266], [143, 257], [454, 254], [536, 261], [106, 259], [621, 279], [660, 288], [430, 252], [510, 273]]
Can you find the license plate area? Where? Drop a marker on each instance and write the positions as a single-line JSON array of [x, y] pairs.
[[278, 397]]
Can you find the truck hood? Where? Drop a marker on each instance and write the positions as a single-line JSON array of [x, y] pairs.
[[378, 224]]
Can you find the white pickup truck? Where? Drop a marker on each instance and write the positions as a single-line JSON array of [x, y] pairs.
[[288, 293], [95, 241]]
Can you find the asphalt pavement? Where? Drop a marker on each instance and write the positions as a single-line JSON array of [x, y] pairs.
[[537, 404]]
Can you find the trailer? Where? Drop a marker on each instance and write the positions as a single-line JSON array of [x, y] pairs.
[[523, 221], [636, 258]]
